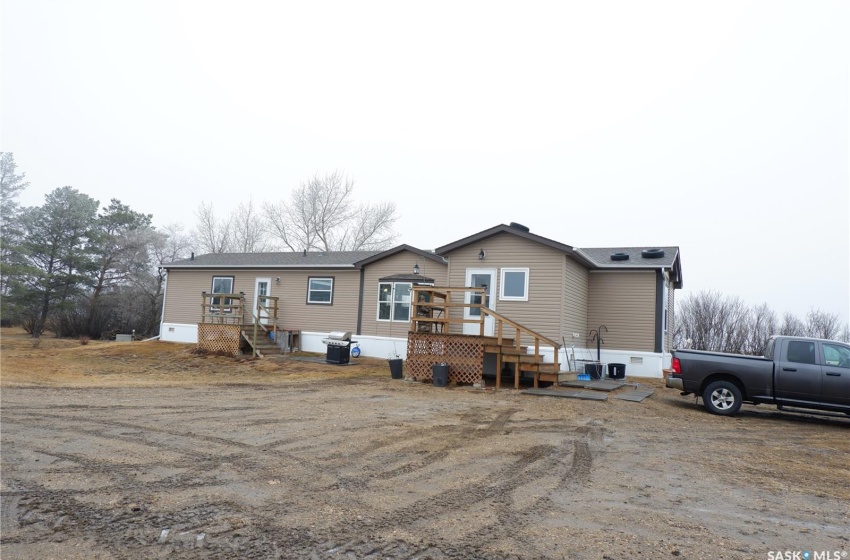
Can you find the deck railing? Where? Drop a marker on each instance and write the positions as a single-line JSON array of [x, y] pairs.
[[431, 307], [230, 309], [224, 309]]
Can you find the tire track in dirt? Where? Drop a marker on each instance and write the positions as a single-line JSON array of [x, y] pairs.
[[172, 432], [531, 462], [453, 438]]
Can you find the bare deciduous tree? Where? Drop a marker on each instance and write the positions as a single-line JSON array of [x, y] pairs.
[[820, 324], [792, 326], [248, 229], [322, 215], [723, 323], [212, 234], [711, 321], [175, 244], [760, 327]]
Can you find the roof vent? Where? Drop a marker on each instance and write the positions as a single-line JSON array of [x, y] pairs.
[[652, 253], [619, 256], [520, 227]]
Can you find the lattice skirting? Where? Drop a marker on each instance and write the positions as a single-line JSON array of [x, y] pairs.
[[464, 354], [219, 338]]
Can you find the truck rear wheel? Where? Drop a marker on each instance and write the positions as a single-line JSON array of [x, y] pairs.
[[722, 397]]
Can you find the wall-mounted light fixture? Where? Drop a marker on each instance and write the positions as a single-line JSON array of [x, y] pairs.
[[416, 269], [481, 255], [277, 279]]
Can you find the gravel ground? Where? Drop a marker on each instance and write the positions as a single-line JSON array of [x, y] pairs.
[[369, 467]]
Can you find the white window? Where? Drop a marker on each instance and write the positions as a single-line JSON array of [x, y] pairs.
[[394, 301], [320, 291], [514, 284], [221, 285]]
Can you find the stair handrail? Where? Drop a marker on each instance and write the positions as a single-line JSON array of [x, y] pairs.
[[445, 292], [520, 327], [271, 312], [519, 330]]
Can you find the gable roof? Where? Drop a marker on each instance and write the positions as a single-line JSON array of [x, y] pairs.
[[312, 259], [593, 258], [399, 249], [514, 229]]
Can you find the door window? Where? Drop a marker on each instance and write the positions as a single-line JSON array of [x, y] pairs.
[[801, 352], [261, 302], [480, 281], [835, 355]]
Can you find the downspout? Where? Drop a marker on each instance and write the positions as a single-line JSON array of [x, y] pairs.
[[164, 294], [360, 302], [659, 311]]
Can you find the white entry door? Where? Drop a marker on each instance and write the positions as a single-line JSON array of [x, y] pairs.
[[480, 278], [262, 288]]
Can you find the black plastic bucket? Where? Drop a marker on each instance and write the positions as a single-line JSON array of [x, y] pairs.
[[594, 370], [616, 371], [440, 373], [396, 368]]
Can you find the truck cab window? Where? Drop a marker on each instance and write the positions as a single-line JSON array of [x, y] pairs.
[[801, 352], [835, 355]]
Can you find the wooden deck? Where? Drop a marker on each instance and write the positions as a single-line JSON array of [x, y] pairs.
[[226, 321], [436, 336]]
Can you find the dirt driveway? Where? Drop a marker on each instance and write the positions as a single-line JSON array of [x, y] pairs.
[[146, 450]]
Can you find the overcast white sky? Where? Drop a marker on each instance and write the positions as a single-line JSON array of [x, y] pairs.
[[720, 127]]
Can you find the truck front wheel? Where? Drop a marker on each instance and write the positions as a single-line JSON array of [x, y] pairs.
[[722, 397]]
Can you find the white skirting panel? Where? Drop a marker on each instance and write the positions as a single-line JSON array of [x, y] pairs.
[[370, 346], [638, 364], [179, 332]]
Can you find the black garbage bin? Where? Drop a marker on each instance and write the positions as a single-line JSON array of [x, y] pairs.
[[440, 373], [594, 370], [396, 368], [616, 371]]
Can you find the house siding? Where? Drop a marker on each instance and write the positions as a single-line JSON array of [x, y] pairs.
[[575, 303], [400, 263], [544, 308], [623, 301], [183, 298]]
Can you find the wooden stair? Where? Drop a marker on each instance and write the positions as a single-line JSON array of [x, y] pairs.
[[508, 353], [265, 346]]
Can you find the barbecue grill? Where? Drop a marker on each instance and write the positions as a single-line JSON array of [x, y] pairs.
[[339, 347]]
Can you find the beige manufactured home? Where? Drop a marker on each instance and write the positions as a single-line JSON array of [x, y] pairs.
[[562, 292]]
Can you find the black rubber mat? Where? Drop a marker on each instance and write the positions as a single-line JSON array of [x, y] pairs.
[[586, 395], [635, 396]]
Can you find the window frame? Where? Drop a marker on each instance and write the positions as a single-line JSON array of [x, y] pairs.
[[502, 272], [393, 301], [217, 305], [310, 290]]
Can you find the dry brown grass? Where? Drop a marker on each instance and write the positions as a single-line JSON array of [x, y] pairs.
[[59, 362]]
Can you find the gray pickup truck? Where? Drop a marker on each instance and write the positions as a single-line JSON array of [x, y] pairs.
[[794, 372]]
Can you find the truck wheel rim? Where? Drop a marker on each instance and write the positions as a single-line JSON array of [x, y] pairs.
[[722, 399]]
